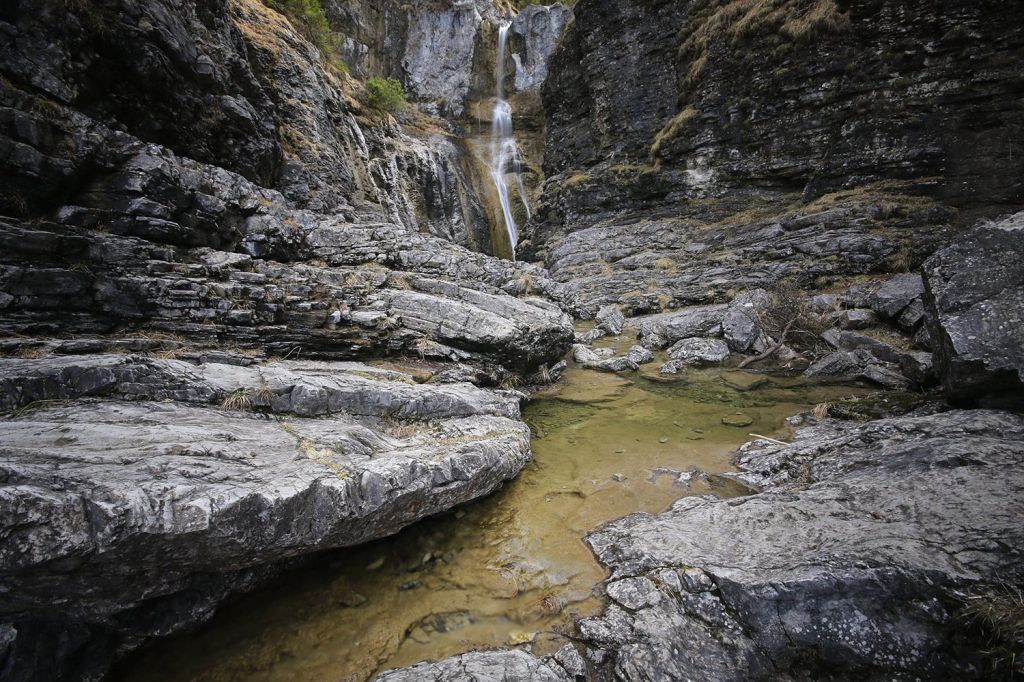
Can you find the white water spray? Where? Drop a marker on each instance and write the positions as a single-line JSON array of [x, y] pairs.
[[505, 156]]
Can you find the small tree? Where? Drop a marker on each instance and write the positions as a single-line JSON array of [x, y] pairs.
[[385, 94]]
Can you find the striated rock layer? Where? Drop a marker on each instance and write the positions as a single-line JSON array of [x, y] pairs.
[[698, 147], [137, 492], [204, 236]]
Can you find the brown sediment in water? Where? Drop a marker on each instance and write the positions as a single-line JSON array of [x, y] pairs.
[[505, 570]]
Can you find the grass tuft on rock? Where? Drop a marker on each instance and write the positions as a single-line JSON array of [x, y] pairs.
[[999, 610]]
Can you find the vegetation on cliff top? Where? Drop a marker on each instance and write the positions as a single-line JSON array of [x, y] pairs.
[[308, 17]]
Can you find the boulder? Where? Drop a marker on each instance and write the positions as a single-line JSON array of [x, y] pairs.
[[138, 493], [974, 302], [697, 352], [694, 322], [610, 320], [604, 359], [858, 364], [849, 558], [858, 318], [893, 296], [740, 330]]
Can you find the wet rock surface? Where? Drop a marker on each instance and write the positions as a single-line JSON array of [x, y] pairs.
[[835, 570], [500, 666]]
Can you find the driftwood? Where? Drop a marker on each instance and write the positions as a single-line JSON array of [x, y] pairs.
[[771, 351]]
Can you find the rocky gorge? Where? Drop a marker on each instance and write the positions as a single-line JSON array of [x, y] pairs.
[[250, 315]]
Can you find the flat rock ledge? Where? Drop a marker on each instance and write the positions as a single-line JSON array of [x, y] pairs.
[[855, 560], [135, 493]]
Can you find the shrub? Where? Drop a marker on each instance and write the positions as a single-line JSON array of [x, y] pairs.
[[385, 94], [308, 17]]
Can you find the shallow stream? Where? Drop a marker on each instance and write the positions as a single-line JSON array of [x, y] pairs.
[[510, 569]]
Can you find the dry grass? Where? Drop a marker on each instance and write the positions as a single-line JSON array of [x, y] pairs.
[[665, 265], [672, 129], [31, 352], [322, 456], [739, 21], [576, 181], [999, 610], [239, 400]]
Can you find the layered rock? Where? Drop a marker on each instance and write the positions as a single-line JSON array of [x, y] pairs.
[[201, 223], [703, 101], [975, 310], [129, 511], [231, 84], [136, 253], [720, 155]]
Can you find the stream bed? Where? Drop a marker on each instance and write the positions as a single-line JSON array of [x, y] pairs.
[[507, 570]]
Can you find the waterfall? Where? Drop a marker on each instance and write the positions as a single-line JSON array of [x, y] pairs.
[[504, 151]]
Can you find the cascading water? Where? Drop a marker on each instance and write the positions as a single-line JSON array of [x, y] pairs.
[[505, 156]]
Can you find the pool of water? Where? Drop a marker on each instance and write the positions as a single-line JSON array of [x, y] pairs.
[[510, 569]]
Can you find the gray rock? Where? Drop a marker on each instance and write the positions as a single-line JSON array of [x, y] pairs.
[[858, 364], [110, 505], [893, 296], [855, 531], [911, 317], [588, 338], [740, 331], [869, 358], [697, 352], [824, 303], [540, 28], [858, 318], [498, 666], [610, 319], [604, 359], [571, 661], [975, 313]]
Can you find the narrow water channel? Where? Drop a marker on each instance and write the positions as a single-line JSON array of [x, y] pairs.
[[510, 569]]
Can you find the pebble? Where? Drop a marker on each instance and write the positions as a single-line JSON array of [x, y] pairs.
[[663, 439], [738, 420]]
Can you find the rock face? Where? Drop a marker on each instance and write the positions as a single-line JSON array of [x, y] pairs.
[[130, 511], [231, 84], [500, 666], [444, 53], [828, 571], [539, 28], [696, 165], [202, 230], [727, 122], [438, 58], [975, 311]]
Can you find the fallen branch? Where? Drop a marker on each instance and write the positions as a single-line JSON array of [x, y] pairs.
[[771, 351], [770, 440]]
